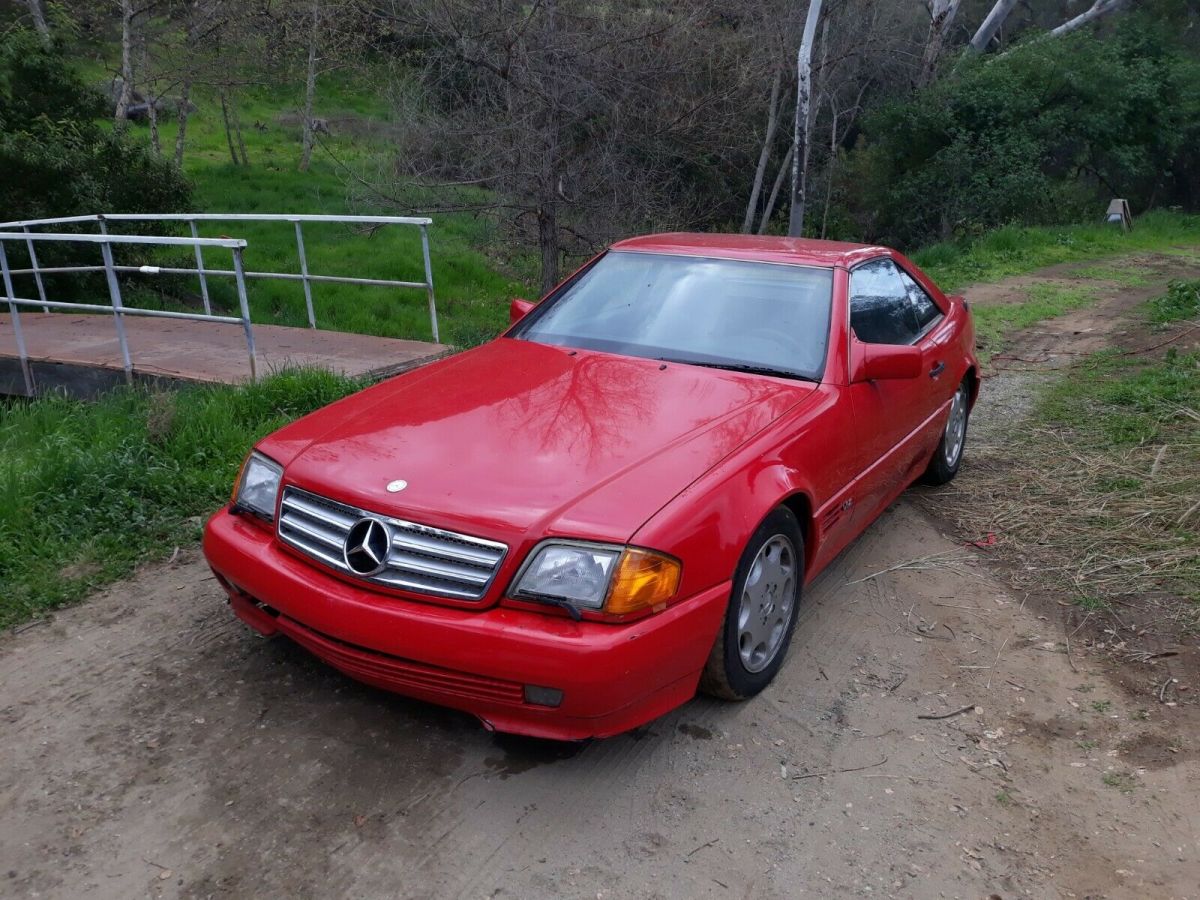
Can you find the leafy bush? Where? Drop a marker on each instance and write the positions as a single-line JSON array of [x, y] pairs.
[[57, 159], [1042, 134]]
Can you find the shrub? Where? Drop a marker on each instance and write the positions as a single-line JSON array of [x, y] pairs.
[[1042, 134]]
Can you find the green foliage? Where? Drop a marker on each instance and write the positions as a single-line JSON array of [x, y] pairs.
[[55, 157], [1181, 301], [1044, 133], [89, 489]]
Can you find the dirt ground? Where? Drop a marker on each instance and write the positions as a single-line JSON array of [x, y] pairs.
[[932, 734]]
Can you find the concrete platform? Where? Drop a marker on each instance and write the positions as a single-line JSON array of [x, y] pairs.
[[80, 353]]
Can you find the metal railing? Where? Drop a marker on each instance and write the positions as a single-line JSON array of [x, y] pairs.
[[30, 236], [115, 306]]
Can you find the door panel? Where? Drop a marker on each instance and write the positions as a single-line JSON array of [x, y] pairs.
[[896, 421]]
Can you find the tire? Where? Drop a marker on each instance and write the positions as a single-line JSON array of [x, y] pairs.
[[750, 649], [949, 454]]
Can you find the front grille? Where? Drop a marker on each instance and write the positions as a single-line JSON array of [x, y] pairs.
[[421, 559]]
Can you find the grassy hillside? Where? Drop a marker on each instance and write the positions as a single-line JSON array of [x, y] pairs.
[[472, 289]]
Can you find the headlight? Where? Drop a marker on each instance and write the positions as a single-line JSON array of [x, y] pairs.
[[259, 486], [616, 580]]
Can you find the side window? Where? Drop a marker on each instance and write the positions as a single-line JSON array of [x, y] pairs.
[[924, 309], [881, 311]]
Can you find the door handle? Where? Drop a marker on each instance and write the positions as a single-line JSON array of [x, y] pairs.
[[937, 370]]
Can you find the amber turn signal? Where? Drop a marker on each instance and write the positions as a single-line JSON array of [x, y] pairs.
[[643, 579]]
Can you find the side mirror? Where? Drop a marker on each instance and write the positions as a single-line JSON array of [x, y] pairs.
[[518, 309], [889, 362]]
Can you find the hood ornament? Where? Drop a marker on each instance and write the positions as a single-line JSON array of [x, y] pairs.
[[395, 487]]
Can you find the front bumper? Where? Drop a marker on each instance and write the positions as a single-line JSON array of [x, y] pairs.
[[614, 677]]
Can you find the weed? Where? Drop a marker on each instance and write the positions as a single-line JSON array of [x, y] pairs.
[[1181, 301], [1142, 715], [1101, 706], [1090, 603], [1004, 798], [1122, 781], [1087, 745]]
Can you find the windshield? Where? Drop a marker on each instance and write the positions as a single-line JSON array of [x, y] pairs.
[[751, 316]]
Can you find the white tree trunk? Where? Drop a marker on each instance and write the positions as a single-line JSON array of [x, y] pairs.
[[769, 209], [941, 19], [765, 156], [39, 18], [991, 24], [310, 88], [1097, 10], [802, 125], [126, 60]]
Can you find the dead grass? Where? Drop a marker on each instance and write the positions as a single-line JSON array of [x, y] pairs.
[[1096, 496]]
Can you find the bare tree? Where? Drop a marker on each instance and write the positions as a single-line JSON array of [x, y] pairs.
[[765, 156], [991, 24], [581, 126], [310, 87], [802, 123], [1097, 10], [941, 19]]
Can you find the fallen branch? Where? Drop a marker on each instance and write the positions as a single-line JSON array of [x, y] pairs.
[[840, 771], [950, 715]]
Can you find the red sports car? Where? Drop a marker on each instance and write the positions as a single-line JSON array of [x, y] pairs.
[[569, 530]]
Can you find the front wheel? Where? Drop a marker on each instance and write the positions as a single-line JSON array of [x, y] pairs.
[[948, 456], [761, 616]]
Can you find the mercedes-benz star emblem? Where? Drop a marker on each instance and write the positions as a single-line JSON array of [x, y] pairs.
[[367, 546]]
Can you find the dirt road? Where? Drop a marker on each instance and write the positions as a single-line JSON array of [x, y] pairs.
[[153, 747]]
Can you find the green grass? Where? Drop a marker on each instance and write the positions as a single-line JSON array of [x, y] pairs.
[[1181, 301], [1017, 250], [90, 489], [994, 322]]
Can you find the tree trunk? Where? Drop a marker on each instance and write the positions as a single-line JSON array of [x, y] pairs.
[[765, 156], [152, 114], [150, 94], [547, 220], [235, 114], [1098, 10], [310, 88], [802, 125], [941, 18], [182, 114], [228, 128], [833, 148], [39, 19], [126, 60], [991, 24], [769, 210]]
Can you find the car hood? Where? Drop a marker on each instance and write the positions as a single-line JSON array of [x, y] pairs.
[[516, 438]]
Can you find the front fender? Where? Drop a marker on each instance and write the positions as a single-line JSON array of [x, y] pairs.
[[707, 526]]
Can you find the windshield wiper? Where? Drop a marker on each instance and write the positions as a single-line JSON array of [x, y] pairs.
[[741, 367]]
